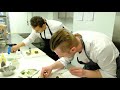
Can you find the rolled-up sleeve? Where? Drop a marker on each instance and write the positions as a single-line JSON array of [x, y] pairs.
[[65, 60], [30, 38]]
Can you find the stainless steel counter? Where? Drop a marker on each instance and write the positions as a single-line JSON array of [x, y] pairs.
[[14, 39]]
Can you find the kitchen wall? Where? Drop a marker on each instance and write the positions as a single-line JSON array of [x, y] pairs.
[[67, 19], [65, 15], [116, 31], [103, 22], [20, 21], [116, 34]]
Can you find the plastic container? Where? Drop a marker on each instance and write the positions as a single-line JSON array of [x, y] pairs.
[[15, 63], [11, 56], [19, 54], [9, 49]]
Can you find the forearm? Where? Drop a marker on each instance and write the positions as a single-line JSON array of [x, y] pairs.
[[92, 74], [57, 65], [20, 44]]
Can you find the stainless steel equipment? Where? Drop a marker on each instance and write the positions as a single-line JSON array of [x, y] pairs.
[[3, 38], [4, 29]]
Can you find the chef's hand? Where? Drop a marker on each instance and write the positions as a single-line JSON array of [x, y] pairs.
[[46, 71], [77, 71], [14, 48]]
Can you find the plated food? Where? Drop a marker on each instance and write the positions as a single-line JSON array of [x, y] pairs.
[[36, 52], [28, 73], [33, 52]]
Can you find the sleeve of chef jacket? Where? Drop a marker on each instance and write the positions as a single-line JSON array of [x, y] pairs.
[[65, 60], [106, 60], [30, 38]]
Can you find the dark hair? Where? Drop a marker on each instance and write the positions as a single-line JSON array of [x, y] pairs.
[[37, 21]]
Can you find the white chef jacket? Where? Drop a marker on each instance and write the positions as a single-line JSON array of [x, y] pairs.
[[100, 49], [53, 25]]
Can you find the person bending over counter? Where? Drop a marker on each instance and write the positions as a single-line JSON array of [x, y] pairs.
[[93, 49], [43, 29]]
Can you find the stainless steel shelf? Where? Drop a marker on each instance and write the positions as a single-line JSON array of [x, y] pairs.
[[3, 16], [5, 19]]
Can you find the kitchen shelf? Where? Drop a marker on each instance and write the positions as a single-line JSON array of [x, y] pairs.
[[3, 16], [4, 19]]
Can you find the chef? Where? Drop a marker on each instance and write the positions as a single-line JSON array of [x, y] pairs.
[[93, 49], [43, 29]]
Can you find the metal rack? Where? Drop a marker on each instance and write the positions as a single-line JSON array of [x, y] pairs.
[[4, 20]]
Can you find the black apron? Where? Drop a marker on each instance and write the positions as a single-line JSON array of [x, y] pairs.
[[90, 65], [46, 47]]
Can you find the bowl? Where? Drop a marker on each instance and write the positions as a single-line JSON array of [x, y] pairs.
[[8, 73], [7, 70]]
